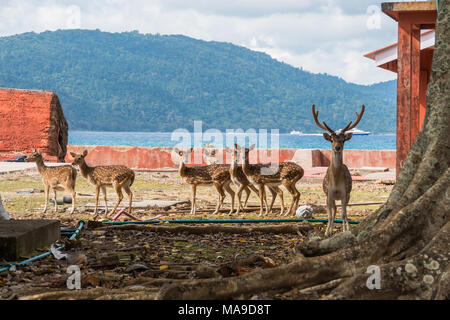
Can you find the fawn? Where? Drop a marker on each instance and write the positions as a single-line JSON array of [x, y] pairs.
[[58, 178], [118, 176]]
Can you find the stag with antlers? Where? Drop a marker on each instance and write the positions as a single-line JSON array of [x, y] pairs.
[[337, 183]]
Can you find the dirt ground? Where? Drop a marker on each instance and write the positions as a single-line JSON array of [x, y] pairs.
[[123, 262]]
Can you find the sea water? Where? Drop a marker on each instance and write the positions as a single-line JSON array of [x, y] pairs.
[[166, 139]]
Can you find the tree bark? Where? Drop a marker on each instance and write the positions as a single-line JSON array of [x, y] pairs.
[[407, 238]]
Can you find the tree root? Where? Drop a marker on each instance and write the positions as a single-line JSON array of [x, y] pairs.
[[302, 273], [321, 287]]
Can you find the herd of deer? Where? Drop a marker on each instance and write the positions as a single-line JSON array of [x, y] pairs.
[[337, 183]]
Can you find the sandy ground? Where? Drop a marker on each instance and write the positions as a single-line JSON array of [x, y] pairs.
[[164, 255]]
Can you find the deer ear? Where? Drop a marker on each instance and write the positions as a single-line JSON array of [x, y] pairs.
[[74, 155], [327, 136], [85, 152], [33, 150], [348, 136], [251, 147], [39, 151]]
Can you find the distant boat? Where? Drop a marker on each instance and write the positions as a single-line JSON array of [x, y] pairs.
[[356, 131]]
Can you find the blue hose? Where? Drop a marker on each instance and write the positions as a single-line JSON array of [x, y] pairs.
[[8, 266]]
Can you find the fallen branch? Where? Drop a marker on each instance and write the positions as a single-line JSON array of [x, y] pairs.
[[96, 294]]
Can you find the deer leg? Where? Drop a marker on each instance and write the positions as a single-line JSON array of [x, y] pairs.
[[295, 198], [97, 192], [104, 197], [345, 226], [280, 193], [231, 192], [288, 187], [247, 195], [330, 210], [130, 196], [56, 203], [252, 187], [239, 194], [219, 189], [261, 193], [274, 196], [193, 193], [118, 187], [46, 189]]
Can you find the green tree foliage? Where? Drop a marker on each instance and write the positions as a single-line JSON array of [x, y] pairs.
[[134, 82]]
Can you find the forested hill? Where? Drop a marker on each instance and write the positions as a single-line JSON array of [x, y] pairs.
[[135, 82]]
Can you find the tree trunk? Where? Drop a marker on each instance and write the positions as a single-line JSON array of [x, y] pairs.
[[407, 238]]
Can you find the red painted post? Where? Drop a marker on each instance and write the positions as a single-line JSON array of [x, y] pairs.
[[415, 83], [408, 70]]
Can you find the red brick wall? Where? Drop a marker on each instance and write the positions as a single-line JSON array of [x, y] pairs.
[[31, 119]]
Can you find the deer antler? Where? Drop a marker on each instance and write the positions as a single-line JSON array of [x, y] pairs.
[[359, 115], [324, 126]]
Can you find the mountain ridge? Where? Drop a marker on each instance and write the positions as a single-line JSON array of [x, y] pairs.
[[143, 82]]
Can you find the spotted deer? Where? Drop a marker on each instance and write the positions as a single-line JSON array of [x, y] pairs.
[[240, 180], [286, 174], [118, 176], [213, 174], [58, 178], [337, 183]]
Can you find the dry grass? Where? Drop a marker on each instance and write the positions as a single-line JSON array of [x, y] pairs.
[[168, 186]]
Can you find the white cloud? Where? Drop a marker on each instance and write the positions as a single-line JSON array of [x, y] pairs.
[[327, 36]]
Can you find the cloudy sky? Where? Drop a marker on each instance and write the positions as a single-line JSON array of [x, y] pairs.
[[321, 36]]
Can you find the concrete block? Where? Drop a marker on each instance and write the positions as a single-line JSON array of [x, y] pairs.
[[19, 238]]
